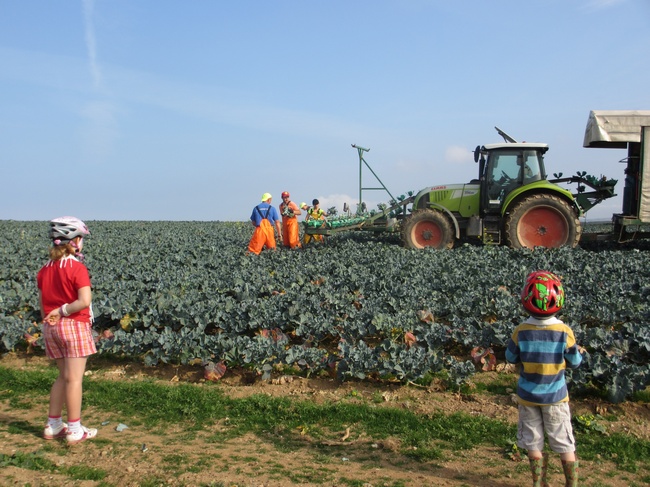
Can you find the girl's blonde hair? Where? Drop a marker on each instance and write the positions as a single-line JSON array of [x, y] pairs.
[[59, 251]]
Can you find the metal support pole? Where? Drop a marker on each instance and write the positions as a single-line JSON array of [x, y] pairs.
[[362, 161]]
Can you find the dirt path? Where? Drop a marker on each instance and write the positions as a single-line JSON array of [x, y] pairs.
[[138, 456]]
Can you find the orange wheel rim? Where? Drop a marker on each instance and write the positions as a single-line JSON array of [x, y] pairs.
[[427, 234], [543, 227]]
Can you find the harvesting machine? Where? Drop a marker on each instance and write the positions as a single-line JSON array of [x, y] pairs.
[[512, 201]]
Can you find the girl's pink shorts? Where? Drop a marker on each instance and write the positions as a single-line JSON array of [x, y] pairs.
[[68, 339]]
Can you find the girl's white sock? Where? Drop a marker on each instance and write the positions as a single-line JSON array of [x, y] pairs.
[[74, 426]]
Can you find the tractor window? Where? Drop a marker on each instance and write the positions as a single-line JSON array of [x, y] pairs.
[[531, 166], [503, 174], [507, 166]]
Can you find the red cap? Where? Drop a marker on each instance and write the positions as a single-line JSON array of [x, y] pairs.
[[285, 194]]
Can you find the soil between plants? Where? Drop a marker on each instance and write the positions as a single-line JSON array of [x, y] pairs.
[[137, 456]]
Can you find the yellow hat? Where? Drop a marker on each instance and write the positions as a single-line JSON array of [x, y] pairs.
[[266, 196]]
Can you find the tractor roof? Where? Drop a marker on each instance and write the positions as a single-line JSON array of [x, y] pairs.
[[517, 145]]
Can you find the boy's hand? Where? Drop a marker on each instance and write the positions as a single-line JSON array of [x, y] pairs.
[[581, 349]]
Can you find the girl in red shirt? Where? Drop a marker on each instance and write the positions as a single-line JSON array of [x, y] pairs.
[[65, 295]]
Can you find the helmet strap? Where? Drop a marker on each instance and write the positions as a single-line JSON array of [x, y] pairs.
[[77, 250]]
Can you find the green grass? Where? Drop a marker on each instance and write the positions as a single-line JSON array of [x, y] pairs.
[[502, 385], [37, 462], [642, 396], [29, 461], [280, 420], [84, 472]]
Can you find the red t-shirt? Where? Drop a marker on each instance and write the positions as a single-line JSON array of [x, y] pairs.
[[59, 282]]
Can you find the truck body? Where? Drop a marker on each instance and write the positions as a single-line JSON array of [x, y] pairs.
[[626, 129]]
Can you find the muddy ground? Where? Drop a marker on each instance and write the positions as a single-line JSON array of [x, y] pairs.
[[138, 456]]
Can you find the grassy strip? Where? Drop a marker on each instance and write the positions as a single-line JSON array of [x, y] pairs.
[[152, 402], [35, 461]]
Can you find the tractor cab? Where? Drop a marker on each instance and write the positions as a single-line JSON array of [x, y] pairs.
[[506, 167]]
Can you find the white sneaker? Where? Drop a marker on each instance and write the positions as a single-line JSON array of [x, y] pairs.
[[82, 435], [50, 433]]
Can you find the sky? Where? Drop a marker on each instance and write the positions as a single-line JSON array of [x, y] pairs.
[[191, 110]]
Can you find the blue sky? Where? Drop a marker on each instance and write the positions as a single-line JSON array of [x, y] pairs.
[[190, 110]]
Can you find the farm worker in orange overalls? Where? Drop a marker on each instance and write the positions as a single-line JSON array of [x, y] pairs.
[[289, 211], [264, 217]]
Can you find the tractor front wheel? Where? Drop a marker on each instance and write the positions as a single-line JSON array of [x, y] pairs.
[[542, 220], [427, 228]]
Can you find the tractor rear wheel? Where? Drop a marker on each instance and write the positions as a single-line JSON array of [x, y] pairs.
[[427, 228], [542, 220]]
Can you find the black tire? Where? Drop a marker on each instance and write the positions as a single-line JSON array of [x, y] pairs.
[[427, 228], [542, 220]]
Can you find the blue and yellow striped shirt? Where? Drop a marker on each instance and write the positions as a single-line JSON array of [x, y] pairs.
[[544, 348]]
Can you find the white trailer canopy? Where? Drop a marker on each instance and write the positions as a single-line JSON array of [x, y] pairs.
[[620, 129], [615, 128]]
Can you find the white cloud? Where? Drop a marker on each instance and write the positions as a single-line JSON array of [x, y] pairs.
[[101, 130], [602, 4], [458, 155], [205, 102], [91, 46], [337, 200]]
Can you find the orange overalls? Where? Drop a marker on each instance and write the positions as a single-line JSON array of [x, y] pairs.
[[263, 234], [290, 229]]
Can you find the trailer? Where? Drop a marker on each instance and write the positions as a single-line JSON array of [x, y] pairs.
[[625, 129]]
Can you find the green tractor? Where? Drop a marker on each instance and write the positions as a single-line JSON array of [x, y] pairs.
[[511, 202]]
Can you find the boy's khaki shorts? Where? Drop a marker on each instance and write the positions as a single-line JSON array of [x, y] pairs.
[[555, 420]]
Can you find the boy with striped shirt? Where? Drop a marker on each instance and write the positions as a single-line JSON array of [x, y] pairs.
[[544, 347]]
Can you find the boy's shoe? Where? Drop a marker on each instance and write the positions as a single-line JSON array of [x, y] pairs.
[[50, 433], [82, 435]]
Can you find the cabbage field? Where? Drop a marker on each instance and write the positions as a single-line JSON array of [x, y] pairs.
[[357, 307]]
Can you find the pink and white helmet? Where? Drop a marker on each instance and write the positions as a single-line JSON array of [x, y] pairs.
[[66, 228]]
